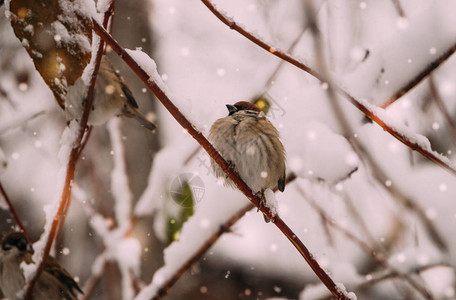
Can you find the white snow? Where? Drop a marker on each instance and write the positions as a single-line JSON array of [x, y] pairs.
[[271, 202], [103, 5], [411, 136], [119, 178], [67, 142], [149, 66], [193, 236], [168, 163]]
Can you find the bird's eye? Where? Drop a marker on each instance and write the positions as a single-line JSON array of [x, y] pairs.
[[22, 245], [6, 247]]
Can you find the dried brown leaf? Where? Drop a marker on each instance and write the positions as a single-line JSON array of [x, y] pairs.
[[57, 35]]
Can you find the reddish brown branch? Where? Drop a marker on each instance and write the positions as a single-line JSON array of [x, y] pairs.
[[422, 75], [363, 108], [391, 275], [208, 244], [293, 45], [357, 146], [65, 198], [234, 26], [199, 137], [67, 204], [379, 257], [74, 154], [401, 137], [13, 212]]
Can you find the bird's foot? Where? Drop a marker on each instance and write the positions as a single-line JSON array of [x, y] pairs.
[[231, 166], [260, 195]]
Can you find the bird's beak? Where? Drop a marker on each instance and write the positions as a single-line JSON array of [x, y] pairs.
[[231, 109]]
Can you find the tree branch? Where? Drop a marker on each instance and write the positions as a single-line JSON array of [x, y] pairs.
[[356, 144], [13, 211], [379, 257], [225, 227], [439, 160], [421, 76], [443, 109], [199, 137], [74, 155]]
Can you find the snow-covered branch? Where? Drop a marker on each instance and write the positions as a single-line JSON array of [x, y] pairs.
[[413, 140], [146, 70]]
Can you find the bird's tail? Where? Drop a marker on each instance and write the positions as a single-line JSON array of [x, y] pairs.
[[142, 119]]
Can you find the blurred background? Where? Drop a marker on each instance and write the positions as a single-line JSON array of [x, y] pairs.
[[380, 220]]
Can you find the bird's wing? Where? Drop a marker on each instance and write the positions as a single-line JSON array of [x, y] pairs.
[[61, 274]]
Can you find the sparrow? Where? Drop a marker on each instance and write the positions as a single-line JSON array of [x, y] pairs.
[[111, 98], [251, 145], [54, 283]]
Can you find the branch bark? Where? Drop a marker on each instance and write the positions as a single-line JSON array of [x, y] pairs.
[[421, 76], [358, 104], [57, 222], [376, 254], [199, 137], [13, 211], [225, 227]]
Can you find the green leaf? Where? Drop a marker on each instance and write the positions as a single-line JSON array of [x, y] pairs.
[[186, 210]]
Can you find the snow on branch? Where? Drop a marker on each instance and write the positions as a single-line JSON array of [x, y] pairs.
[[117, 241], [358, 145], [412, 140], [178, 257], [71, 147], [119, 178], [376, 254], [69, 142], [199, 137]]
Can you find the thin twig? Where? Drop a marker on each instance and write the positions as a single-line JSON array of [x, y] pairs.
[[391, 275], [92, 283], [443, 109], [356, 144], [293, 45], [362, 107], [348, 133], [108, 20], [201, 139], [416, 270], [13, 212], [20, 121], [85, 140], [396, 194], [66, 193], [67, 206], [234, 26], [422, 75], [400, 10], [225, 227], [377, 256]]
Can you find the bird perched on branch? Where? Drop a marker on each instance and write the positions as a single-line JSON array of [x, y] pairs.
[[250, 144], [54, 283], [111, 98]]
